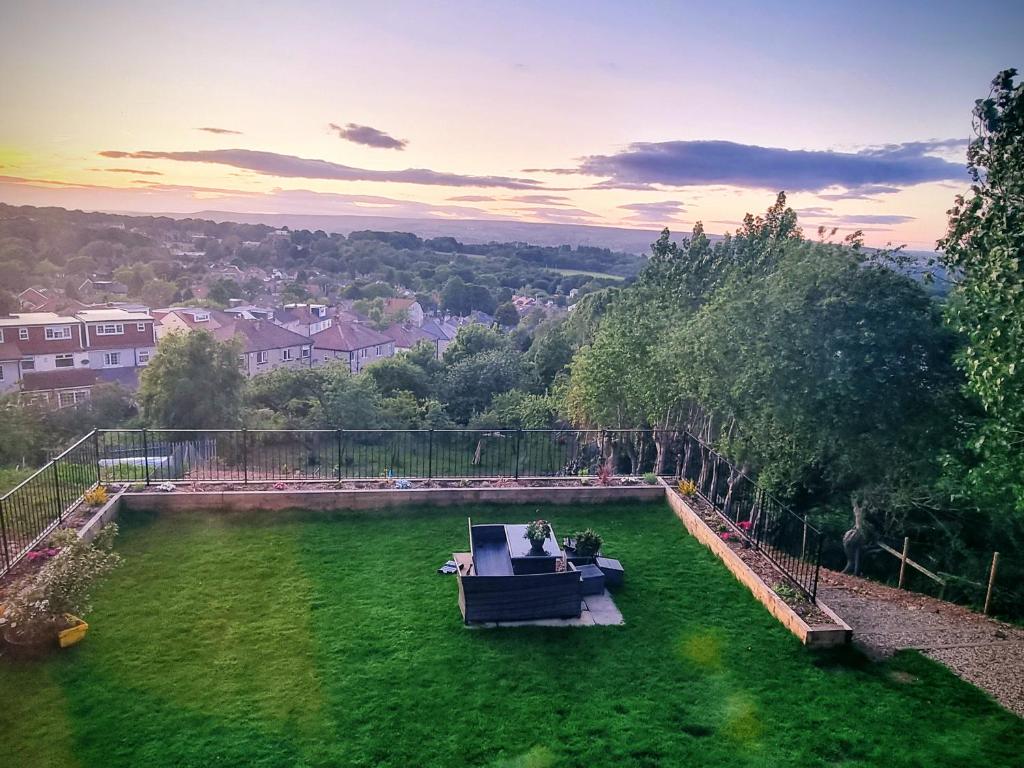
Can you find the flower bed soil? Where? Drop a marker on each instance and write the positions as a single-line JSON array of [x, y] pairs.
[[385, 484], [758, 563]]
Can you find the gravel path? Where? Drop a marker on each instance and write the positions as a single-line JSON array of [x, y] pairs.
[[985, 652]]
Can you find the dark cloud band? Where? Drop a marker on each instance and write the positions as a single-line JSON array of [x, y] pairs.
[[693, 163], [368, 136], [289, 166]]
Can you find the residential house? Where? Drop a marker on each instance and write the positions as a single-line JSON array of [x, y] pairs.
[[306, 319], [61, 357], [406, 335], [410, 309], [355, 343], [267, 346], [441, 332]]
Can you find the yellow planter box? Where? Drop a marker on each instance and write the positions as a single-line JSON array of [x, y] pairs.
[[74, 634]]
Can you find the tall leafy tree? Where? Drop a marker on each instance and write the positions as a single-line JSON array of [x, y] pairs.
[[984, 251], [193, 382]]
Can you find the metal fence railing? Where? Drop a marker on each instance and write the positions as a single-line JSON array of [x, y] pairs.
[[37, 505], [757, 517], [29, 512]]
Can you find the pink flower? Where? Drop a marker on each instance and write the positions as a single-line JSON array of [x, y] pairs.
[[279, 486], [745, 525], [726, 536]]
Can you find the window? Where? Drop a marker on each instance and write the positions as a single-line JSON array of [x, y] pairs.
[[109, 329], [143, 357], [111, 359], [286, 354], [1, 335], [377, 351], [305, 352], [28, 364], [23, 334], [1, 373], [64, 361], [201, 317], [64, 399], [261, 358], [58, 332], [140, 327]]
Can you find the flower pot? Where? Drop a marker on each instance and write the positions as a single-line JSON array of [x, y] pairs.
[[537, 546], [75, 632]]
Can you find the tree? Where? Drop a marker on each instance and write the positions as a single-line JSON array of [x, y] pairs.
[[193, 382], [471, 340], [399, 374], [8, 303], [984, 247], [470, 384], [223, 290], [507, 315], [158, 293]]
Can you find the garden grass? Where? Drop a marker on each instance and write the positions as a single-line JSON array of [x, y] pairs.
[[305, 640]]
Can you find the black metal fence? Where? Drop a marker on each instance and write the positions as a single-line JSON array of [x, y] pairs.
[[29, 512], [37, 505], [759, 519]]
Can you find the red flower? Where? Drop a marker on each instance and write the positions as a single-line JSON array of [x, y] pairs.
[[745, 525]]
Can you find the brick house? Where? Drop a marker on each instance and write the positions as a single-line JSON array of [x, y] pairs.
[[357, 344], [267, 346], [61, 357]]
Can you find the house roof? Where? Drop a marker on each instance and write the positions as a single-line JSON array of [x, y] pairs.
[[126, 377], [348, 337], [405, 335], [187, 315], [259, 335], [35, 318], [438, 330], [43, 381], [112, 315]]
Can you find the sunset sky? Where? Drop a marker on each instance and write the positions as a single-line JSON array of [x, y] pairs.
[[611, 113]]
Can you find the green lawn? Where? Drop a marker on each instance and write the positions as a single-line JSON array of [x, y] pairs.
[[297, 640]]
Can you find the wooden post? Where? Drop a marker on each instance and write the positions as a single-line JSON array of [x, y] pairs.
[[903, 560], [991, 582]]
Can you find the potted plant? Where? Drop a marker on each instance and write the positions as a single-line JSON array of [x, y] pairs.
[[50, 607], [588, 544], [537, 531]]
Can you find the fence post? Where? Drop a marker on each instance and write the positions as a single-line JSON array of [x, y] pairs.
[[903, 561], [817, 570], [56, 489], [337, 434], [519, 433], [991, 582], [145, 453], [245, 456], [803, 544], [3, 537], [96, 449], [430, 455]]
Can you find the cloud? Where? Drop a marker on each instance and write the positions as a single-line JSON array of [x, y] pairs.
[[865, 192], [540, 199], [221, 131], [873, 218], [559, 215], [666, 210], [472, 199], [127, 170], [290, 166], [370, 137], [701, 163], [557, 171]]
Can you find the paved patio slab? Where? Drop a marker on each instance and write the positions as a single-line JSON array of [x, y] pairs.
[[598, 611]]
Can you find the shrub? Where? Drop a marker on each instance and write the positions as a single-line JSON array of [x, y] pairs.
[[588, 543], [687, 487], [63, 586], [650, 478], [604, 473], [96, 497]]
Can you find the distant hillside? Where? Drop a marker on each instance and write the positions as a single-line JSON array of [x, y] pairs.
[[465, 230]]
